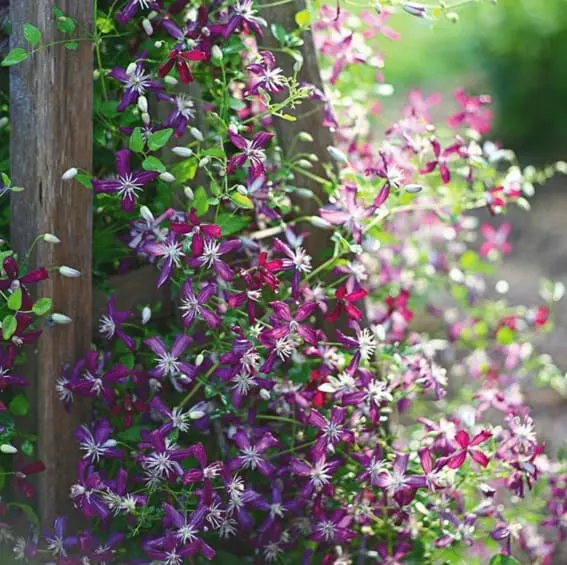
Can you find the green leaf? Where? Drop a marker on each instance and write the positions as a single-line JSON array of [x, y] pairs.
[[242, 200], [84, 179], [15, 300], [14, 57], [9, 325], [19, 405], [278, 32], [469, 260], [201, 201], [32, 34], [131, 434], [42, 306], [159, 139], [303, 18], [72, 45], [232, 223], [185, 170], [503, 560], [153, 164], [136, 143], [65, 24], [105, 25], [27, 448]]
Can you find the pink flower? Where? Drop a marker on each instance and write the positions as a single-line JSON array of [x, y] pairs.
[[466, 444], [495, 239]]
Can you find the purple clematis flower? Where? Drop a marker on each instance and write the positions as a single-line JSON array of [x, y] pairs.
[[58, 543], [286, 325], [333, 529], [136, 83], [175, 418], [268, 76], [109, 324], [6, 364], [97, 443], [132, 7], [251, 457], [186, 529], [169, 363], [319, 473], [192, 304], [127, 184], [401, 486], [15, 281], [252, 151], [84, 492], [332, 430], [210, 257], [171, 252], [297, 260], [183, 111], [241, 13]]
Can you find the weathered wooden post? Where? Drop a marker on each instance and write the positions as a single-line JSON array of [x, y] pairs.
[[51, 113]]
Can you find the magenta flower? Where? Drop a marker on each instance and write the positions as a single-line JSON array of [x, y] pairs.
[[241, 13], [15, 281], [473, 112], [466, 445], [86, 493], [319, 473], [419, 105], [377, 24], [251, 151], [198, 232], [192, 305], [345, 301], [285, 324], [127, 184], [268, 77], [169, 363], [333, 529], [495, 239], [297, 261], [441, 160], [6, 378], [333, 430]]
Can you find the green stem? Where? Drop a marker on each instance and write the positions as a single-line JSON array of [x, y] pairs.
[[198, 386]]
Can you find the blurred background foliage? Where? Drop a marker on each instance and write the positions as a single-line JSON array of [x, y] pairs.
[[515, 50]]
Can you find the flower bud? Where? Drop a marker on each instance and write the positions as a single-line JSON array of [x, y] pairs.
[[385, 90], [182, 151], [146, 315], [242, 190], [453, 17], [96, 74], [172, 81], [8, 449], [414, 9], [197, 134], [216, 53], [189, 193], [143, 104], [70, 174], [62, 319], [17, 188], [51, 238], [147, 25], [199, 359], [146, 118], [204, 162], [167, 177], [337, 154], [304, 193], [305, 163], [146, 213], [69, 272], [4, 121], [131, 68], [264, 394], [305, 136], [413, 188], [158, 44], [319, 222]]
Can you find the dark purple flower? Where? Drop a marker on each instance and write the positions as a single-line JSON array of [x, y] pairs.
[[332, 430], [6, 364], [268, 76], [86, 492], [127, 184], [319, 473], [131, 8], [169, 363], [333, 529], [176, 418], [58, 543], [15, 281], [251, 151], [241, 13], [297, 260], [401, 486]]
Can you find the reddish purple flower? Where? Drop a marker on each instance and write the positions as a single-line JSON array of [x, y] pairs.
[[419, 105], [169, 363], [298, 261], [345, 301], [15, 281], [198, 232], [398, 484], [241, 13], [86, 493], [333, 430], [495, 239], [58, 543], [131, 8], [285, 324], [333, 529], [170, 251], [127, 184], [6, 378], [319, 473], [252, 151], [192, 305], [441, 160]]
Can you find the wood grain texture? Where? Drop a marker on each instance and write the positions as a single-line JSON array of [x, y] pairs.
[[51, 114]]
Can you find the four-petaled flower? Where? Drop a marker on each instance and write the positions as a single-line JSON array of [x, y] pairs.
[[251, 151]]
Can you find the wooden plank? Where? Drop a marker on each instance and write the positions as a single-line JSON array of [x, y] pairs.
[[51, 113]]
